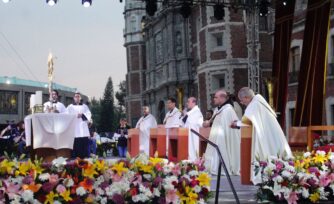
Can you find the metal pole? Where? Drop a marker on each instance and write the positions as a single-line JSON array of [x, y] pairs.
[[218, 182]]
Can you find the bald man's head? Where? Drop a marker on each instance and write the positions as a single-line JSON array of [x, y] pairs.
[[220, 97]]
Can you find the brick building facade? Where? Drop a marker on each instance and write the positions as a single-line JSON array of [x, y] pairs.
[[189, 57]]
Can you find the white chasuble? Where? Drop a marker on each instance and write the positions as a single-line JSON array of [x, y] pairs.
[[268, 138], [227, 139], [145, 124], [194, 121]]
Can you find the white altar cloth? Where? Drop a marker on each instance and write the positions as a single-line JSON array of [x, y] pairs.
[[51, 130]]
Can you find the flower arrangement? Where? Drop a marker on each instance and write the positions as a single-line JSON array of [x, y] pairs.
[[307, 178], [135, 180]]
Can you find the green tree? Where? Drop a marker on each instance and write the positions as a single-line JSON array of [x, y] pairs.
[[95, 108], [120, 96], [108, 115]]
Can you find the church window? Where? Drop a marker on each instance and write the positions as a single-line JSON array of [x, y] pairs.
[[295, 59], [9, 102]]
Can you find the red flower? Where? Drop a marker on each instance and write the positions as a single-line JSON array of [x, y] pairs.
[[133, 191]]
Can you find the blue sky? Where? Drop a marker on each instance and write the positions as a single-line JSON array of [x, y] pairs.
[[88, 42]]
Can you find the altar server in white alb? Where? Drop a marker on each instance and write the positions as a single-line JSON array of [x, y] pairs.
[[172, 118], [193, 119], [54, 105], [268, 138], [81, 141], [221, 133], [145, 123]]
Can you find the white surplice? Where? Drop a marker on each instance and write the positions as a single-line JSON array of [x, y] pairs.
[[59, 106], [268, 138], [172, 118], [145, 124], [227, 139], [82, 126], [194, 121]]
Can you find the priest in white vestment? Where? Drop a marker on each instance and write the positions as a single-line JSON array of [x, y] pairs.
[[221, 133], [268, 138], [54, 105], [193, 119], [81, 141], [145, 123], [172, 118]]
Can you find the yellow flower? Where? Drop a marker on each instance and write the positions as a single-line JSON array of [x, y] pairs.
[[89, 171], [6, 166], [119, 168], [155, 161], [189, 197], [147, 169], [101, 165], [50, 197], [23, 168], [66, 195], [37, 167], [314, 197], [204, 179], [320, 159]]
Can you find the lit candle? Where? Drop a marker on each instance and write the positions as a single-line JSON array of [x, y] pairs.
[[32, 100], [38, 98]]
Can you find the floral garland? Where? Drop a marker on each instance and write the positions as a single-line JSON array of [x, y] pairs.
[[304, 179], [136, 180]]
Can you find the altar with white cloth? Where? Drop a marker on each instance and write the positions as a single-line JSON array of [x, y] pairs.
[[50, 135]]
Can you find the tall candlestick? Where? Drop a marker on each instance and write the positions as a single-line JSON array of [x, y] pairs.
[[32, 101], [38, 98]]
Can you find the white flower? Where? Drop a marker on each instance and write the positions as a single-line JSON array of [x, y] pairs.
[[147, 176], [323, 194], [156, 192], [98, 181], [167, 169], [146, 191], [68, 182], [117, 187], [99, 191], [197, 189], [27, 196], [278, 179], [59, 162], [44, 177], [305, 193], [286, 174], [16, 180], [56, 202], [307, 154], [322, 153], [80, 191], [186, 177], [290, 168], [104, 200], [167, 182], [140, 197], [36, 202], [201, 201], [193, 173]]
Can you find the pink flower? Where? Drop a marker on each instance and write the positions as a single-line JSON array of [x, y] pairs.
[[293, 198], [11, 189], [324, 181], [53, 178], [116, 178], [279, 166], [176, 170], [60, 188], [171, 196], [138, 179]]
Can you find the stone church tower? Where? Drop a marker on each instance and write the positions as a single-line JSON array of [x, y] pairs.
[[136, 60]]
